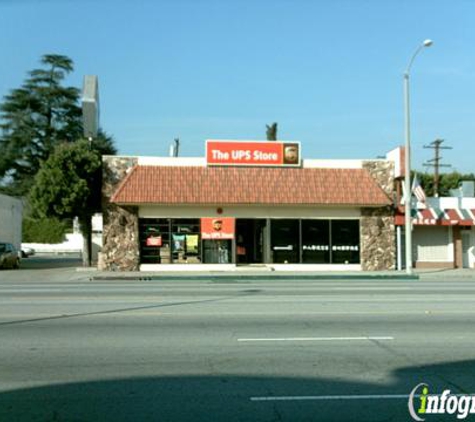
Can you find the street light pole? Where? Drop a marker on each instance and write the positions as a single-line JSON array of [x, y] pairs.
[[407, 161]]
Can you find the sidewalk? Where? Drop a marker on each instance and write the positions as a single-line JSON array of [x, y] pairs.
[[447, 273]]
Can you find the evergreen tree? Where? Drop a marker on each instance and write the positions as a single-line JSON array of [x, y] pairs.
[[34, 119]]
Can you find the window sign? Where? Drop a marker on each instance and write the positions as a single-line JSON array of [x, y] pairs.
[[285, 241], [345, 241], [217, 228], [192, 243], [178, 242], [154, 241], [316, 241]]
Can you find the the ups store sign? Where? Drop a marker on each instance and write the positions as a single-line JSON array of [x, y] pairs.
[[253, 153]]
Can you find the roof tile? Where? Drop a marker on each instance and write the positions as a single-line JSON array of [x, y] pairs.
[[249, 185]]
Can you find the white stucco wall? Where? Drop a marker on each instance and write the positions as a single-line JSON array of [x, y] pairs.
[[201, 162], [11, 212], [469, 259], [154, 211]]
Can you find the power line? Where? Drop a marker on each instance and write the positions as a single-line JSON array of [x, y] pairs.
[[435, 162]]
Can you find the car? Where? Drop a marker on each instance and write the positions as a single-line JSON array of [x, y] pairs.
[[26, 251], [9, 257]]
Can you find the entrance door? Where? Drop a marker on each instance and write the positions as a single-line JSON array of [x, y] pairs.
[[466, 244], [250, 241], [217, 251]]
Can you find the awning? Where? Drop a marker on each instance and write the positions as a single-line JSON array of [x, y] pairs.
[[438, 217]]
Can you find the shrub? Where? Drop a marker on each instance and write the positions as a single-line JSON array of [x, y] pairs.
[[45, 230]]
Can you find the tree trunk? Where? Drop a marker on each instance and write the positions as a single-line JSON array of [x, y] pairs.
[[86, 230]]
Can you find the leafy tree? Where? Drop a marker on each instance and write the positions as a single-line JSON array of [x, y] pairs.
[[427, 183], [271, 132], [452, 180], [34, 119], [447, 181], [69, 183]]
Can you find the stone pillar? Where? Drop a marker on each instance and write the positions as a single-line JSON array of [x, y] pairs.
[[120, 251], [377, 228], [383, 173], [377, 236]]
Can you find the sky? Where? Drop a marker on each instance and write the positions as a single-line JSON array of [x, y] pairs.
[[329, 72]]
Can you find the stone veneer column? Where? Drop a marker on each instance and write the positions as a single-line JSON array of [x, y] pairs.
[[120, 250], [377, 229]]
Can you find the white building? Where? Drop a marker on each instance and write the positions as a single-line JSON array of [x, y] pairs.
[[11, 212], [443, 233]]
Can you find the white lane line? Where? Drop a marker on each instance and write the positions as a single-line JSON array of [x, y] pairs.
[[384, 338], [347, 397], [352, 397]]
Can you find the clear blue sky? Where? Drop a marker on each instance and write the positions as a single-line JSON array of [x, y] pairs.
[[329, 72]]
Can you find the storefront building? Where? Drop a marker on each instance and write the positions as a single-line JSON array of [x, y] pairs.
[[247, 203]]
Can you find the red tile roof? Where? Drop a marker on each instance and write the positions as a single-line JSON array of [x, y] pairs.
[[250, 185]]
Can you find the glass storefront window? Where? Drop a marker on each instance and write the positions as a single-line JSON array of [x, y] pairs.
[[186, 241], [322, 241], [345, 240], [315, 241], [154, 235], [292, 241], [285, 241], [165, 241]]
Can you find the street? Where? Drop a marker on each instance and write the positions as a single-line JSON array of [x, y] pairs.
[[72, 349]]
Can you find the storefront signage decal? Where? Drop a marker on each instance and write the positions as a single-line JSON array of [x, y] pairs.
[[154, 241], [252, 153], [217, 228]]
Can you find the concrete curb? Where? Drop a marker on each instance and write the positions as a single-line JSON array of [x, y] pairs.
[[252, 277]]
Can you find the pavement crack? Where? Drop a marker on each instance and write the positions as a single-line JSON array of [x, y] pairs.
[[118, 311], [407, 360]]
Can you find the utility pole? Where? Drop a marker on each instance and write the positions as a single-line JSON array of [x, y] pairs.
[[435, 162]]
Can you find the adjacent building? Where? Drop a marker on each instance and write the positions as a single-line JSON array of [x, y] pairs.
[[443, 232], [11, 214]]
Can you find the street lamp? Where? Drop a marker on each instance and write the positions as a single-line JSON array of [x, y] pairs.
[[407, 161]]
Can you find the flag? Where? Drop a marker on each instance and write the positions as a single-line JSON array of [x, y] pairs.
[[417, 190]]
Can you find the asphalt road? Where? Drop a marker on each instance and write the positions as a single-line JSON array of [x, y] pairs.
[[341, 350]]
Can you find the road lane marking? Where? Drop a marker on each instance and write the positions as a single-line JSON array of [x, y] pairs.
[[346, 397], [383, 338], [343, 397]]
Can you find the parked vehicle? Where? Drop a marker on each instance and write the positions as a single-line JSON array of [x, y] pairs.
[[26, 251], [9, 257]]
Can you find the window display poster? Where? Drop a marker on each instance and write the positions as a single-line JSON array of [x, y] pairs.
[[178, 242], [154, 240], [192, 243]]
